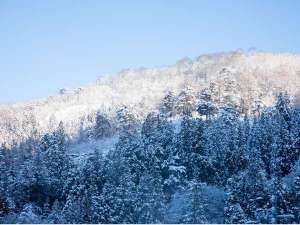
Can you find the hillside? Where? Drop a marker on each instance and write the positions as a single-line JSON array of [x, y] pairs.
[[256, 77], [210, 140]]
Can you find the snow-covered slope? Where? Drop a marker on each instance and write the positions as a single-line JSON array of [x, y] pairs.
[[257, 74], [81, 151]]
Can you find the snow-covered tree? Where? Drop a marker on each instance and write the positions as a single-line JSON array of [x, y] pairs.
[[167, 105], [3, 182], [55, 159], [206, 105], [30, 215], [151, 207], [194, 212], [233, 212], [186, 102], [103, 127]]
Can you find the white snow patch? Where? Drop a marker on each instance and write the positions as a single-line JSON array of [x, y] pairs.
[[83, 150]]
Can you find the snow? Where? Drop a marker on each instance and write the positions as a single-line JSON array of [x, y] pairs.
[[83, 150], [176, 123], [257, 73]]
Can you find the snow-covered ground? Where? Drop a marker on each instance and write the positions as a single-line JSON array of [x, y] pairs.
[[83, 150]]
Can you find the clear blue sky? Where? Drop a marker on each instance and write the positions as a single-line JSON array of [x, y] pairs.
[[46, 45]]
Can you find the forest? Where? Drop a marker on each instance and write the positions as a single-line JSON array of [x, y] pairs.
[[222, 166]]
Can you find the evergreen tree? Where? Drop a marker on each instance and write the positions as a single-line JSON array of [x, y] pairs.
[[233, 212], [55, 159], [157, 139], [195, 210], [3, 182], [127, 120], [279, 200], [102, 127], [254, 187], [185, 145], [55, 216], [151, 207], [222, 144], [176, 178], [186, 102], [206, 106], [295, 198], [167, 105]]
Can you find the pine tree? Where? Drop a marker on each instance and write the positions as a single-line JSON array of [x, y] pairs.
[[55, 159], [289, 153], [127, 120], [206, 106], [3, 182], [128, 149], [265, 139], [167, 105], [151, 206], [73, 211], [157, 140], [233, 212], [185, 144], [295, 198], [176, 176], [229, 89], [195, 210], [279, 201], [102, 127], [190, 148], [254, 186], [119, 198], [186, 102], [223, 137], [283, 106], [30, 215], [55, 216]]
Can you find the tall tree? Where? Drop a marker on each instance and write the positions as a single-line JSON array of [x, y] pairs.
[[102, 127], [55, 159], [167, 105], [186, 102], [206, 105]]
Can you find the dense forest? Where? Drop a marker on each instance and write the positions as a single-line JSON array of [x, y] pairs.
[[222, 166]]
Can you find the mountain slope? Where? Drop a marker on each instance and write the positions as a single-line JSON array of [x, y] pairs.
[[256, 76]]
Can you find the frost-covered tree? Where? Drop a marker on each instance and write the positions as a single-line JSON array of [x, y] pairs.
[[55, 159], [156, 171], [194, 212], [233, 212], [74, 209], [30, 215], [55, 216], [103, 127], [206, 105], [294, 195], [186, 102], [126, 119], [176, 176], [119, 197], [3, 182], [223, 144], [283, 106], [167, 105], [157, 142], [279, 202], [255, 179], [151, 206]]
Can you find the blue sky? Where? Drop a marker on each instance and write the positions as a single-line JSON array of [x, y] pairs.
[[47, 45]]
